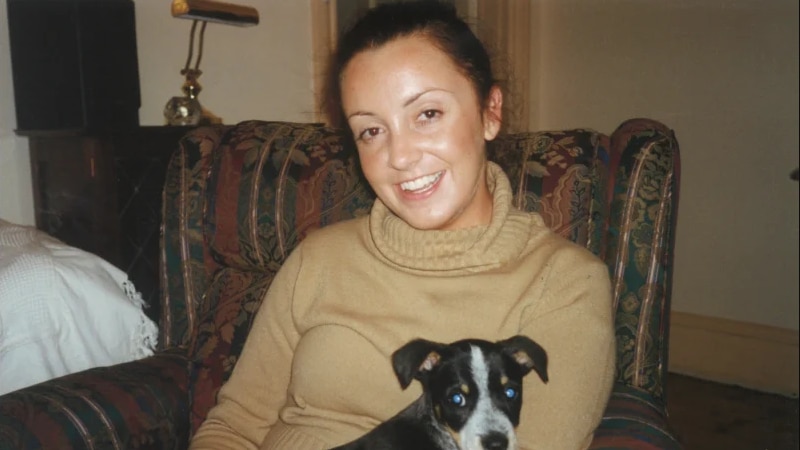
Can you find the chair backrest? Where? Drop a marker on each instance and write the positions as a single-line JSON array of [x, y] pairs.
[[237, 199]]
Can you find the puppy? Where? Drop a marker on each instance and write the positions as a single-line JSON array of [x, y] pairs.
[[471, 399]]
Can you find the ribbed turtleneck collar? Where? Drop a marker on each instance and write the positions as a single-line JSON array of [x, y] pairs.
[[472, 249]]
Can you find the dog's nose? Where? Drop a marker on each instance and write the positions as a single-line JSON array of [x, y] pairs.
[[495, 441]]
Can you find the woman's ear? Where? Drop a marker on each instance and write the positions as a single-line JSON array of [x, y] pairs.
[[493, 113]]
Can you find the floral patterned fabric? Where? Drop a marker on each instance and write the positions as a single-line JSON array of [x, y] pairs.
[[237, 200], [562, 175], [186, 262], [641, 236]]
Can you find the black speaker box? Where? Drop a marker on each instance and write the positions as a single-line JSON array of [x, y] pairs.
[[74, 64]]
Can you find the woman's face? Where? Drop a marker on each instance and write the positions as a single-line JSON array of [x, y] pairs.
[[421, 133]]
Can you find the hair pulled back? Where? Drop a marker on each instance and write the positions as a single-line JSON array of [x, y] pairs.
[[433, 20]]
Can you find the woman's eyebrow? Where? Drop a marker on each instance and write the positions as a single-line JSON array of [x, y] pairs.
[[360, 113], [416, 97]]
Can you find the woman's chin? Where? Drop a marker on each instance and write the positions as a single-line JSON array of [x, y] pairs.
[[426, 223]]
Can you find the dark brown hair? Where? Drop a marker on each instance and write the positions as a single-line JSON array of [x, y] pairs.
[[434, 20]]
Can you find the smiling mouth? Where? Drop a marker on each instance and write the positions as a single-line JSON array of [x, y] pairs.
[[422, 183]]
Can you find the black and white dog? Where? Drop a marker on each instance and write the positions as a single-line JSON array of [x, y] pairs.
[[471, 399]]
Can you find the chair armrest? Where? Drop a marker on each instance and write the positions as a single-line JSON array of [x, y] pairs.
[[645, 176], [634, 420], [140, 404]]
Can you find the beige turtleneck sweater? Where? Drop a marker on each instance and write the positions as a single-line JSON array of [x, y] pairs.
[[316, 372]]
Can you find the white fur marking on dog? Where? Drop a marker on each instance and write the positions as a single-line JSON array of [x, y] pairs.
[[485, 417]]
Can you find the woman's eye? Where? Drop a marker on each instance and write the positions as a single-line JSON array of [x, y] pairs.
[[458, 399], [369, 133], [429, 114], [511, 393]]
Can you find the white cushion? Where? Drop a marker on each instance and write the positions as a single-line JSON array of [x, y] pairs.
[[63, 310]]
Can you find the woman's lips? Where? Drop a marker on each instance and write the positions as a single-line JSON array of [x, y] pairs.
[[422, 184]]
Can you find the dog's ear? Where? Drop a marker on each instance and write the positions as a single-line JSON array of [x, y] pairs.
[[414, 359], [527, 353]]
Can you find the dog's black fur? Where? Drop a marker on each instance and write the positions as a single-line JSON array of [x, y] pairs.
[[437, 420]]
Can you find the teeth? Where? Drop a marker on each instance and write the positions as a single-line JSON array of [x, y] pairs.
[[421, 182]]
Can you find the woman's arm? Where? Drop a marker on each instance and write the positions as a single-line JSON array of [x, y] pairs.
[[249, 402], [574, 323]]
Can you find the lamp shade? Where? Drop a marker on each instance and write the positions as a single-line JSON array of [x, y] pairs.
[[213, 11]]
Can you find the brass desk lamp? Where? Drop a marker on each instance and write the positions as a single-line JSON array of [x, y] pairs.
[[186, 110]]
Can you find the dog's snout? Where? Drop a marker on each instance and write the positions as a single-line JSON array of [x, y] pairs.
[[495, 441]]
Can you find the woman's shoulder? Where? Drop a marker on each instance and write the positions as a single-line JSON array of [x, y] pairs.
[[337, 235], [547, 242], [327, 247]]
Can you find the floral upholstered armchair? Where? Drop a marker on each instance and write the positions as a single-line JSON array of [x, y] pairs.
[[237, 199]]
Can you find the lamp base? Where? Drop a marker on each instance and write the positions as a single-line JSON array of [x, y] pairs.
[[187, 110], [183, 111]]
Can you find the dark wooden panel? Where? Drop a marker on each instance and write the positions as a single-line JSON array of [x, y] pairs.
[[102, 193], [75, 192]]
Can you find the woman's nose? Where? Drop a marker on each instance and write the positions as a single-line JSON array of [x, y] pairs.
[[404, 151]]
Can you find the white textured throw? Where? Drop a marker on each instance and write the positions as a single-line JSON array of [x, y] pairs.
[[63, 310]]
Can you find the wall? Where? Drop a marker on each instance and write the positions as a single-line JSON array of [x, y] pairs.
[[261, 72], [16, 196], [724, 75]]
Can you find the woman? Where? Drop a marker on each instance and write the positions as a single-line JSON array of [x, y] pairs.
[[442, 256]]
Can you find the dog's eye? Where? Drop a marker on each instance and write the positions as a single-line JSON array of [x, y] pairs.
[[458, 399], [511, 393]]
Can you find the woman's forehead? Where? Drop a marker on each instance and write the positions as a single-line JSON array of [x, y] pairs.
[[411, 64], [413, 49]]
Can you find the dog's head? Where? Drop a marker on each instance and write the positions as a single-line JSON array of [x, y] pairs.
[[474, 387]]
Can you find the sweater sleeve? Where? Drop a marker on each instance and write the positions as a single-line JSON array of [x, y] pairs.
[[573, 321], [249, 402]]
